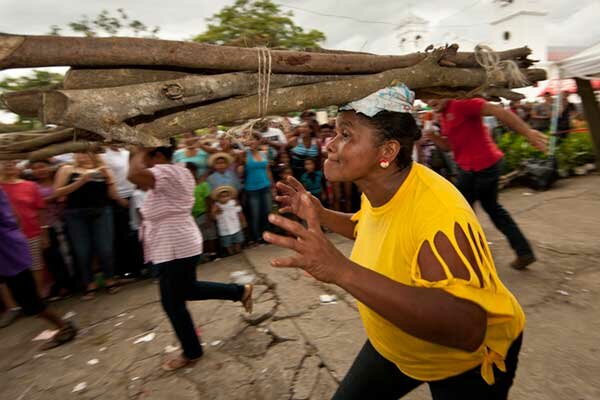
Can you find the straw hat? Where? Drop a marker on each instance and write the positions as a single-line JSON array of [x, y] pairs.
[[214, 157], [223, 189]]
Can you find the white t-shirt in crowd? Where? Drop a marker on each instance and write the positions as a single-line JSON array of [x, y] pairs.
[[274, 135], [118, 162], [136, 201], [228, 221]]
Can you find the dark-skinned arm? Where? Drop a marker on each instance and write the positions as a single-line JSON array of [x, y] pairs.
[[427, 313], [512, 120], [138, 174]]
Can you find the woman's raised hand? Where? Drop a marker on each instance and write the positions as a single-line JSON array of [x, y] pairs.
[[314, 253], [290, 198]]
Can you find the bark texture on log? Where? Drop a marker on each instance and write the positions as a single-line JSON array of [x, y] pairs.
[[44, 51], [104, 110], [427, 74], [50, 137], [89, 78], [53, 150]]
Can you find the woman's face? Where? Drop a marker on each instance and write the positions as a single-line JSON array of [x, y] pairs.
[[352, 154], [84, 160], [304, 132], [41, 170], [9, 169]]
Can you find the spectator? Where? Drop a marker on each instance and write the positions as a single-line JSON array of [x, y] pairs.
[[230, 219], [27, 202], [15, 262], [305, 145], [541, 114], [55, 250], [89, 186], [566, 112], [222, 174], [135, 221], [117, 160], [201, 213], [312, 180], [191, 153], [258, 185]]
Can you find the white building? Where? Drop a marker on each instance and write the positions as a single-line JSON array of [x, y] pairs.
[[412, 34]]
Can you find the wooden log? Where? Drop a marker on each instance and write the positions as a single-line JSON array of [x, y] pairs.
[[53, 150], [591, 111], [105, 110], [50, 137], [25, 103], [44, 51], [427, 74], [88, 78]]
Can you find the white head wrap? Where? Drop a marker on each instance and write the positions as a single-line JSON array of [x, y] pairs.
[[397, 98]]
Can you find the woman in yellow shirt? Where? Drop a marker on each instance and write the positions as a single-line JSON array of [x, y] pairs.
[[428, 292]]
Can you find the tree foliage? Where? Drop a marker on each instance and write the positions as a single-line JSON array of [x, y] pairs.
[[251, 23], [107, 24], [104, 24]]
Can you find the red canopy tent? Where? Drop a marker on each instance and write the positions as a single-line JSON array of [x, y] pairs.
[[566, 85]]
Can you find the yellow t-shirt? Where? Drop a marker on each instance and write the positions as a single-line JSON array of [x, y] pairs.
[[388, 239]]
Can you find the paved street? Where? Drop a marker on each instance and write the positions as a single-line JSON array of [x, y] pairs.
[[294, 347]]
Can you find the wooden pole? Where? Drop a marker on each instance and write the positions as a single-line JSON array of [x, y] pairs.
[[592, 113]]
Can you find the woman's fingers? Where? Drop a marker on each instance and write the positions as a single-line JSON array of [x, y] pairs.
[[283, 199], [288, 262], [292, 227], [282, 241], [293, 182], [312, 217], [285, 189]]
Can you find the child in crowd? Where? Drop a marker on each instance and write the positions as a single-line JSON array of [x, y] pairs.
[[312, 179], [200, 212], [222, 174], [229, 217]]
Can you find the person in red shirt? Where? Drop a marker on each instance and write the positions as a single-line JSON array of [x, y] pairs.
[[27, 202], [479, 160]]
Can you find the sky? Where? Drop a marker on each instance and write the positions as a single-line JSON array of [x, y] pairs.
[[348, 24]]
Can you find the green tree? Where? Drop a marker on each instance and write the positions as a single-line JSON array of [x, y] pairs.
[[104, 24], [250, 23], [107, 24]]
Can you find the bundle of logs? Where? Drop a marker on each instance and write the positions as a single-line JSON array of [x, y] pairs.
[[143, 91]]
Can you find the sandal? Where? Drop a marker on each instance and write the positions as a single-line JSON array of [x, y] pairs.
[[177, 363], [89, 294], [64, 335], [112, 289], [247, 298]]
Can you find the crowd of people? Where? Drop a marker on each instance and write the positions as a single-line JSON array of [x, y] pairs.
[[80, 213], [433, 306]]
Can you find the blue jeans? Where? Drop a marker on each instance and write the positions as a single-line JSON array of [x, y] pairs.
[[259, 207], [91, 233], [483, 186]]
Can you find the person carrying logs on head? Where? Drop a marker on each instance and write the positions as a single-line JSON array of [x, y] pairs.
[[480, 160], [433, 306], [173, 243]]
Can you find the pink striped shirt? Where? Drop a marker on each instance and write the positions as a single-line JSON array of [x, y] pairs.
[[168, 230]]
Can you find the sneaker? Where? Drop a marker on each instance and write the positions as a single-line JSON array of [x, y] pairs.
[[9, 317], [521, 262]]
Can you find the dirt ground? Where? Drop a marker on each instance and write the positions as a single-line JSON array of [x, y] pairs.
[[294, 347]]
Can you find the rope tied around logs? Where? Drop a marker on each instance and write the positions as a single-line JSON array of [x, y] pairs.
[[496, 70], [264, 79]]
